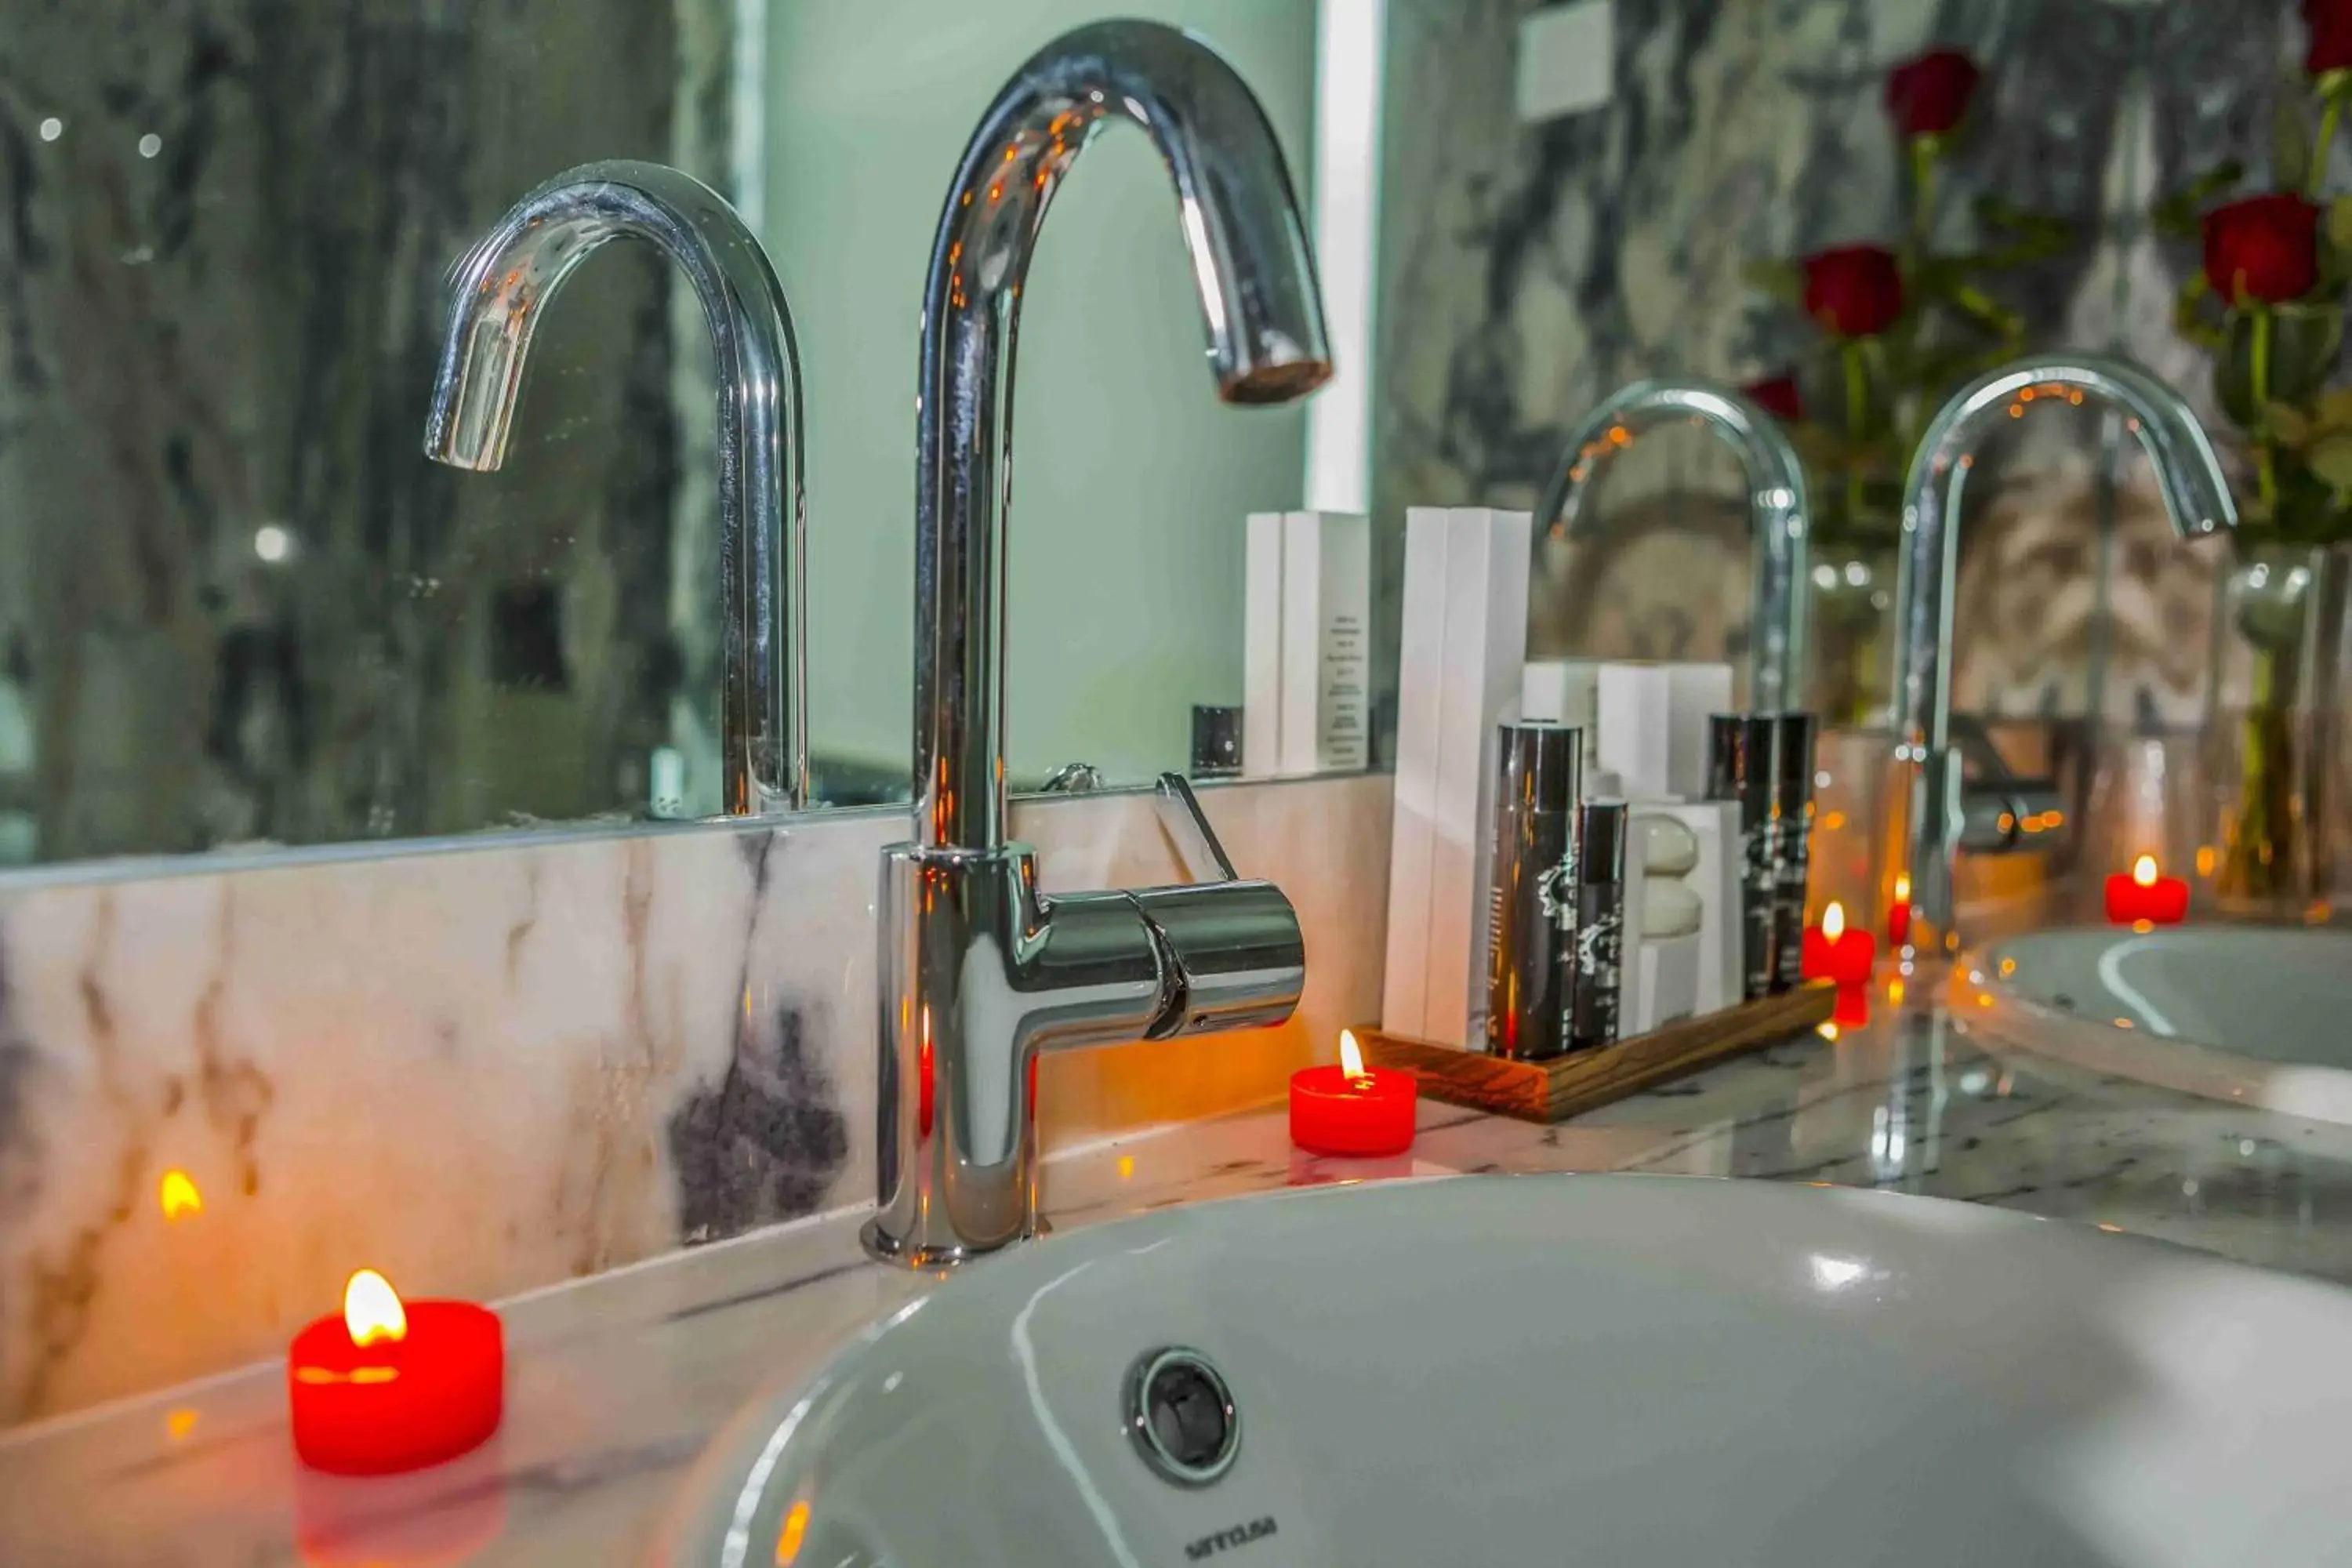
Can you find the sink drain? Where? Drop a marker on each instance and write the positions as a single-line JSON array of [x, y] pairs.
[[1183, 1417]]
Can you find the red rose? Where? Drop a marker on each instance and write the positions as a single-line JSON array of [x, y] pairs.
[[2263, 248], [1927, 96], [2329, 23], [1854, 290], [1777, 396]]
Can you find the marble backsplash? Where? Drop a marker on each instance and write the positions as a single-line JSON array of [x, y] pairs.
[[496, 1066]]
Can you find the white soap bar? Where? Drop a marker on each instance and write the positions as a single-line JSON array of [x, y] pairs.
[[1421, 671], [1669, 908], [1262, 646], [1327, 611], [1636, 709], [1668, 847], [1486, 650], [1713, 876], [1697, 693]]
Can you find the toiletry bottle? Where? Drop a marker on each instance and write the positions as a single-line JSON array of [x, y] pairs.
[[1792, 840], [1740, 769], [1599, 860], [1531, 902], [1216, 742]]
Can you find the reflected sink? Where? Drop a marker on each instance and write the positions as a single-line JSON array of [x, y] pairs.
[[2255, 1014], [1621, 1370]]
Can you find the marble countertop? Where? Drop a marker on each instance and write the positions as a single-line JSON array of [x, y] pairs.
[[617, 1383]]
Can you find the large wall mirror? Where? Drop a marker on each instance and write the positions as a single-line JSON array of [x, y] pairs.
[[239, 607]]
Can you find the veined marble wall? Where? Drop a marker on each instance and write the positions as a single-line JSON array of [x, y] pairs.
[[237, 602], [497, 1066], [1529, 271]]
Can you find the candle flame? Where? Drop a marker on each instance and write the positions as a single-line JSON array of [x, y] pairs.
[[1833, 921], [1903, 888], [1351, 1056], [371, 1309], [2144, 870], [178, 1195]]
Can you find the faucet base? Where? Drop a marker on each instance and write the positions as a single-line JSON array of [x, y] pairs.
[[884, 1248]]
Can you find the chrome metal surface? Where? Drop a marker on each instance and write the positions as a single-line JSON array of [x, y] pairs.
[[1073, 778], [1259, 302], [1166, 1460], [2001, 810], [2195, 493], [980, 971], [1775, 511], [498, 292], [1187, 826]]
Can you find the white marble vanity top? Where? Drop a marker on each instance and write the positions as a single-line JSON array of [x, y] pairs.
[[617, 1383]]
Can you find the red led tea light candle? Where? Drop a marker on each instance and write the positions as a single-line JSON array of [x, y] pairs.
[[2145, 896], [1834, 951], [1898, 913], [1351, 1110], [389, 1387]]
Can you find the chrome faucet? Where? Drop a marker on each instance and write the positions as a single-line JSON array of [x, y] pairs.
[[981, 971], [1938, 821], [496, 293], [1775, 511]]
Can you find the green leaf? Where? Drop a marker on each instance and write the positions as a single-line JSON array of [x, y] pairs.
[[2177, 215], [2331, 459], [2336, 407], [1783, 281], [2290, 141], [2290, 425], [2339, 222]]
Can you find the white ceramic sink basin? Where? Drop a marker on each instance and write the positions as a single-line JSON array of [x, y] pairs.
[[1617, 1370], [2260, 1015]]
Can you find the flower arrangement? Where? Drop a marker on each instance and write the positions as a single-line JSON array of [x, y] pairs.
[[1900, 325], [2269, 300]]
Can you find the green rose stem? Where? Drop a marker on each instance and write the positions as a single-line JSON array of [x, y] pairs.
[[1857, 410], [2328, 116], [2261, 859], [2265, 456], [1923, 189]]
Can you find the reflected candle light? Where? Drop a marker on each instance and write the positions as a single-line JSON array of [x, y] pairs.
[[1834, 951], [1351, 1110], [2145, 896]]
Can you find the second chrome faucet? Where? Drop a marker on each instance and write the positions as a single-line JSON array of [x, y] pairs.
[[980, 971]]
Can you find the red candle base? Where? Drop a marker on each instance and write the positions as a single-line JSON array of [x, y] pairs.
[[1847, 958], [399, 1404], [1364, 1116], [2163, 903]]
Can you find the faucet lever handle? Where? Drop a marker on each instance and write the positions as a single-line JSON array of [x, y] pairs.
[[1203, 858]]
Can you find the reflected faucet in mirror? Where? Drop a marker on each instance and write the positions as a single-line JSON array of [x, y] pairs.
[[498, 292], [1929, 772], [981, 971], [1776, 510]]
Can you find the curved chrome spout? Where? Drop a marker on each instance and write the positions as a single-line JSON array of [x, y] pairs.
[[498, 292], [1259, 300], [2195, 493], [981, 971], [1775, 511]]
